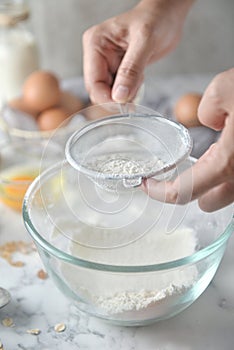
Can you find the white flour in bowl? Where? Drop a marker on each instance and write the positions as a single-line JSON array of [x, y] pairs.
[[134, 295], [136, 301]]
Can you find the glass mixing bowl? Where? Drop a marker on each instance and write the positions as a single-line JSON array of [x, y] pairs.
[[123, 257]]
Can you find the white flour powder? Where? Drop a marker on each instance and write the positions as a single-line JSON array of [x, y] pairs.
[[137, 301], [142, 295], [121, 164]]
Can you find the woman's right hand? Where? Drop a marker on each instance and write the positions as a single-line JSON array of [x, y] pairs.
[[117, 51]]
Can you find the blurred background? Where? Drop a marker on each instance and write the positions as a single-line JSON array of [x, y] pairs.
[[206, 48], [207, 45]]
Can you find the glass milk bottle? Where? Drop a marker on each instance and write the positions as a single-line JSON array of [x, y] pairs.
[[18, 51]]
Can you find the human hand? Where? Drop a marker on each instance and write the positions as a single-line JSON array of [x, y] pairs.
[[117, 50], [211, 179]]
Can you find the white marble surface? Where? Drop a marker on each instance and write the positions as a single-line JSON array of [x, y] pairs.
[[206, 325]]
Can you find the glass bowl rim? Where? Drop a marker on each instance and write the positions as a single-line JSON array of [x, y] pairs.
[[31, 134], [52, 250], [24, 134], [6, 182], [127, 118], [16, 145]]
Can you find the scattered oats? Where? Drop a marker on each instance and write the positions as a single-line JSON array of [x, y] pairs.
[[8, 250], [42, 274], [7, 322], [17, 263], [34, 331], [60, 327]]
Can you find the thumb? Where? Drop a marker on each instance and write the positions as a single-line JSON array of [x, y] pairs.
[[130, 73]]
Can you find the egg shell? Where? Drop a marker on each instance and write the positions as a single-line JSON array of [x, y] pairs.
[[186, 108], [70, 102], [20, 105], [41, 91], [52, 118]]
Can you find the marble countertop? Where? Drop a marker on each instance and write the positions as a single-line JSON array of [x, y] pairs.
[[37, 304]]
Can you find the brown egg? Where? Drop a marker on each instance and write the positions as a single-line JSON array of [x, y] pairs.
[[20, 105], [41, 91], [70, 102], [52, 118], [186, 109]]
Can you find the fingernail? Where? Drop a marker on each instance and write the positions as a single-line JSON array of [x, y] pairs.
[[121, 93]]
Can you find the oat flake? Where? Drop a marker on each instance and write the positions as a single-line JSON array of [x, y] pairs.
[[8, 250], [42, 274], [34, 331], [60, 327], [7, 322]]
